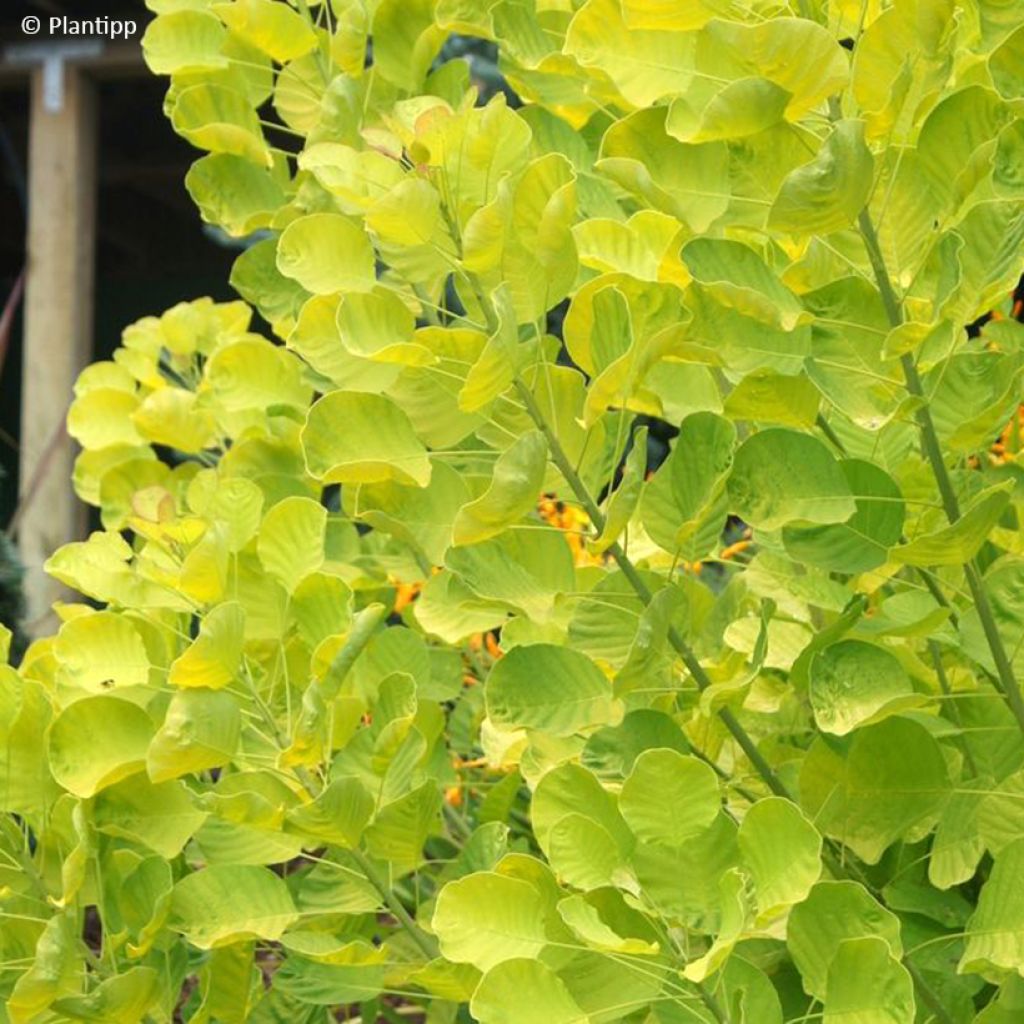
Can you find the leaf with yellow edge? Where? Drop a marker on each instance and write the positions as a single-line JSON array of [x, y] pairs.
[[405, 41], [102, 417], [379, 326], [487, 918], [828, 193], [101, 651], [184, 41], [220, 120], [689, 182], [525, 991], [358, 179], [737, 110], [361, 438], [121, 999], [273, 28], [204, 571], [291, 540], [253, 374], [337, 816], [158, 815], [96, 742], [227, 903], [55, 971], [316, 337], [782, 851], [734, 907], [326, 253], [959, 542], [644, 64], [174, 418], [645, 247], [513, 491], [796, 54], [201, 730], [213, 658], [495, 368], [672, 16], [737, 277]]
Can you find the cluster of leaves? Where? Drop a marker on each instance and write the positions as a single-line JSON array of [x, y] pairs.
[[271, 771]]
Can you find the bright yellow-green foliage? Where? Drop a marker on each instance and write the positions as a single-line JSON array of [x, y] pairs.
[[413, 673]]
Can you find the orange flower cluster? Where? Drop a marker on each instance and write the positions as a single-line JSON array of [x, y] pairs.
[[573, 522], [1010, 440]]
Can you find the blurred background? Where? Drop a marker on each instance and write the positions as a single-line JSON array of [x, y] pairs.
[[87, 156]]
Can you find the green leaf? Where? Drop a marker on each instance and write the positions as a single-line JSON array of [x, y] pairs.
[[220, 120], [354, 438], [780, 476], [768, 397], [54, 971], [212, 659], [230, 903], [184, 41], [513, 491], [400, 829], [959, 542], [626, 497], [863, 542], [679, 508], [291, 540], [487, 919], [995, 932], [669, 797], [378, 325], [96, 742], [234, 193], [868, 985], [889, 780], [276, 30], [201, 730], [524, 569], [421, 516], [739, 109], [734, 275], [337, 816], [326, 253], [685, 181], [122, 999], [782, 851], [828, 193], [554, 689], [854, 683], [525, 991], [101, 651], [160, 816], [835, 913]]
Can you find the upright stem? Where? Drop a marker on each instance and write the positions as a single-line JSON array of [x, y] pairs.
[[635, 580], [380, 883], [933, 453]]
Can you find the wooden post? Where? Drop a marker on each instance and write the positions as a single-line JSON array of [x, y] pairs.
[[58, 313]]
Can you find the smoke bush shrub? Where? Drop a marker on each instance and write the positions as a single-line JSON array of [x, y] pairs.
[[408, 678]]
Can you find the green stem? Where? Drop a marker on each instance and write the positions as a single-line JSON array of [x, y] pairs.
[[713, 1005], [939, 1012], [629, 571], [932, 449], [394, 905], [954, 710]]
